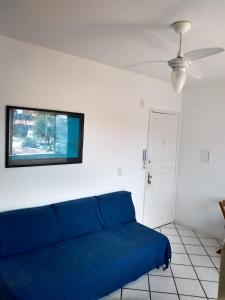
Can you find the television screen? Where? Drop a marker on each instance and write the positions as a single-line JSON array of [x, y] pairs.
[[37, 137]]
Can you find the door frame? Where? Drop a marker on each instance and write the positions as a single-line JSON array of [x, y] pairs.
[[179, 115]]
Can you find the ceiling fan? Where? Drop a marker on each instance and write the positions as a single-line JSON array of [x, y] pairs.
[[182, 64]]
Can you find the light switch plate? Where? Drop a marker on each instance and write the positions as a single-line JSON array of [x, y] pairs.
[[205, 156], [119, 171]]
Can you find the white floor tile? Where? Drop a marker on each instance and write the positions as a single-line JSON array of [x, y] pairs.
[[211, 289], [177, 248], [135, 295], [114, 296], [169, 231], [183, 271], [174, 239], [209, 242], [199, 250], [210, 274], [157, 229], [161, 296], [212, 250], [162, 284], [189, 287], [201, 261], [190, 241], [161, 272], [180, 259], [216, 261], [140, 284], [187, 232]]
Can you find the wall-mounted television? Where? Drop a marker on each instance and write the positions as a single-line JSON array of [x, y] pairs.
[[37, 137]]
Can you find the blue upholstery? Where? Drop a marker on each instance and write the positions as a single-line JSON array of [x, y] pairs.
[[84, 267], [77, 217], [27, 229], [116, 208]]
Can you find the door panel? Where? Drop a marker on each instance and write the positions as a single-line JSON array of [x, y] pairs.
[[162, 151]]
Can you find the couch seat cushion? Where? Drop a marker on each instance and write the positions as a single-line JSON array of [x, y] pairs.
[[84, 268]]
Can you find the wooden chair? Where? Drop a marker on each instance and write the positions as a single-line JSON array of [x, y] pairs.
[[222, 206], [221, 293]]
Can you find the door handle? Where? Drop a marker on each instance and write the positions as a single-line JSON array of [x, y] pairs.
[[149, 178]]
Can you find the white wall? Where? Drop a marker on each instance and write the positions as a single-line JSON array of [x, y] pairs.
[[115, 125], [200, 186]]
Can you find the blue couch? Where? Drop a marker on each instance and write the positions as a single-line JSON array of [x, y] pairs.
[[76, 250]]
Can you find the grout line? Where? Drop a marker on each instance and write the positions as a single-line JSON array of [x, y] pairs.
[[169, 234], [165, 225], [175, 283], [121, 292], [135, 289], [187, 244], [195, 254], [149, 289], [193, 266], [154, 291], [207, 254], [169, 293], [177, 277], [158, 292]]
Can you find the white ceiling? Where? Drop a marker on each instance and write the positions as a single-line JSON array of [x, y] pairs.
[[120, 32]]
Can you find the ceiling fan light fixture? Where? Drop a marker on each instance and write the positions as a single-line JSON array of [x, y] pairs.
[[178, 78], [183, 61]]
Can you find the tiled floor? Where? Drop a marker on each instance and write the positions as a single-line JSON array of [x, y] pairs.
[[193, 273]]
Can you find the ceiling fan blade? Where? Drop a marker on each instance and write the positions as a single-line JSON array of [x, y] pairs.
[[200, 53], [194, 71], [145, 62]]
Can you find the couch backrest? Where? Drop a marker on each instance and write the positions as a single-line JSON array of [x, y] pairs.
[[77, 217], [32, 228], [27, 229], [116, 208]]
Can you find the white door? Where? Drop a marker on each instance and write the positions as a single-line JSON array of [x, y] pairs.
[[161, 169]]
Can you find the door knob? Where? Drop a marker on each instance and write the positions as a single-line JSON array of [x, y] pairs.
[[149, 178]]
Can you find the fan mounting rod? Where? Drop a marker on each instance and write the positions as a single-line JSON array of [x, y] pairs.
[[181, 27]]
